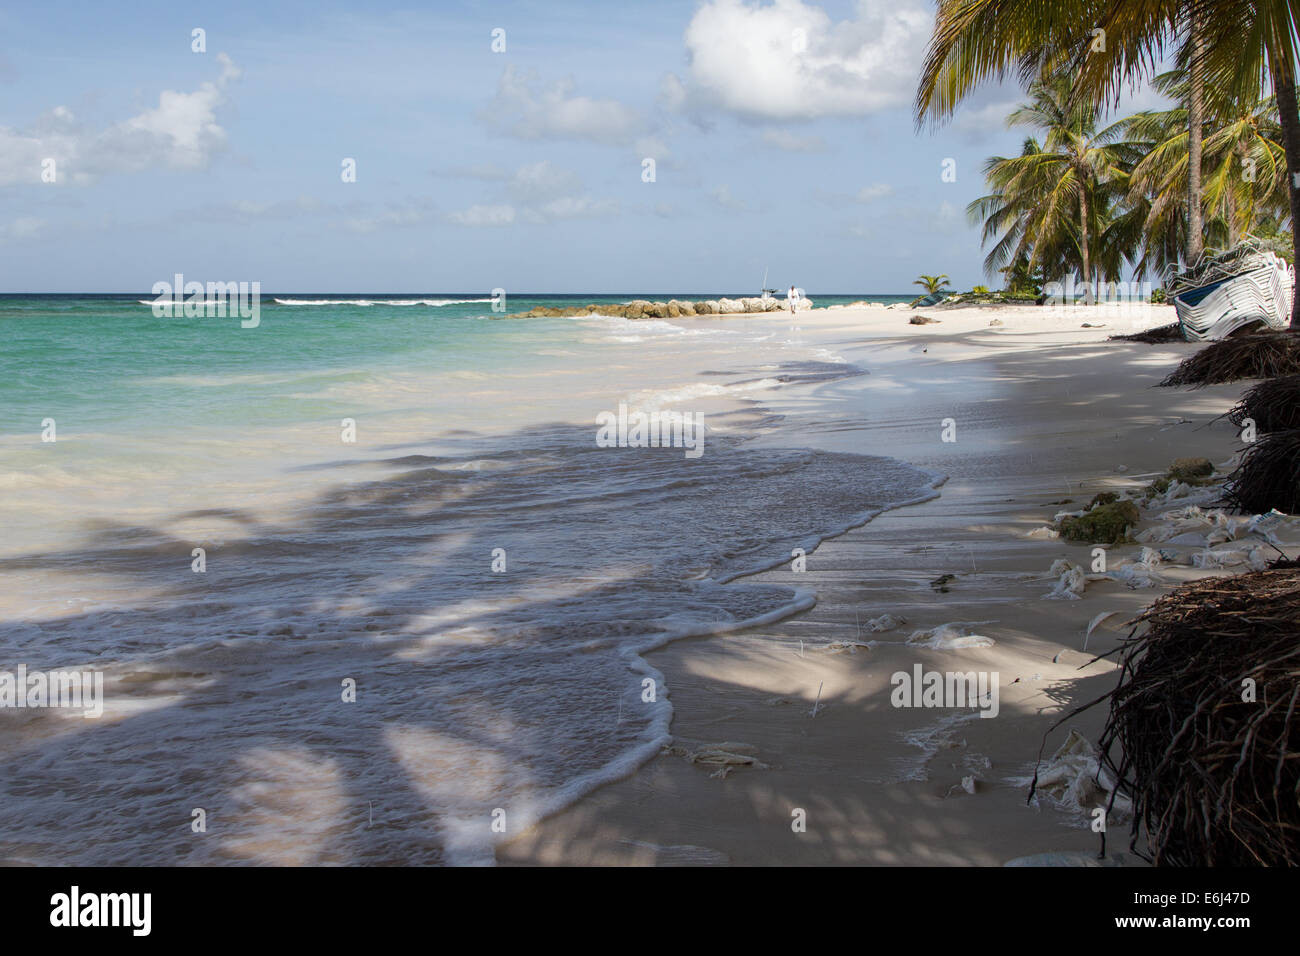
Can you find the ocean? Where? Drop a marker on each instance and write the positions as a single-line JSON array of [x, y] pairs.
[[363, 585]]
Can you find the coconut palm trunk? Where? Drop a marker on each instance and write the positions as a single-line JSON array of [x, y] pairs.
[[1195, 132], [1232, 216], [1084, 243], [1289, 116]]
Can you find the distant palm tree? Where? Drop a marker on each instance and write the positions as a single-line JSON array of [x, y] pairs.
[[1055, 203], [1244, 171], [932, 284], [1020, 280], [1008, 217]]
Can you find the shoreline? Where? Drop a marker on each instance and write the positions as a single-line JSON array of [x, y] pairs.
[[883, 785]]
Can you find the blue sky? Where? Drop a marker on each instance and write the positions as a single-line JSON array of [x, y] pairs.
[[523, 169]]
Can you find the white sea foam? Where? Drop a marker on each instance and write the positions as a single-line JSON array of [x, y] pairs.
[[648, 327], [370, 302], [686, 393]]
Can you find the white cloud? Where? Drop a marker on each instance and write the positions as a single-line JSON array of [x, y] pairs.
[[181, 132], [572, 207], [526, 109], [536, 193], [501, 215], [672, 92], [653, 147], [183, 129], [22, 154], [790, 61], [413, 212], [874, 192], [793, 142], [541, 181]]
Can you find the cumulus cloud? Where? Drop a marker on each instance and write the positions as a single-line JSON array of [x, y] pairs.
[[789, 61], [571, 207], [181, 132], [526, 108]]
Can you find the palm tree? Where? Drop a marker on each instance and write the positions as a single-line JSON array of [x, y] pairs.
[[1021, 281], [1008, 217], [932, 284], [975, 40], [1097, 39], [1056, 202], [1195, 48], [1259, 40], [1244, 171], [1247, 183], [1157, 187]]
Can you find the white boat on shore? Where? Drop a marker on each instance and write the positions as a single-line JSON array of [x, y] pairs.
[[1243, 287]]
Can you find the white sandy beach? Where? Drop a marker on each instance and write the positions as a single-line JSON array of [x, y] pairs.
[[1045, 411], [523, 690]]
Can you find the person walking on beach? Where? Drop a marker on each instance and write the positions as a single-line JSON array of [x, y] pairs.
[[792, 297]]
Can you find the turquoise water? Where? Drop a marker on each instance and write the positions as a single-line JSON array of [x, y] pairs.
[[106, 362]]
